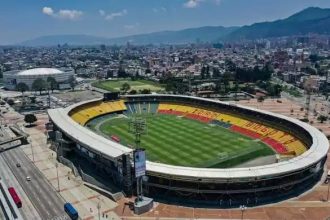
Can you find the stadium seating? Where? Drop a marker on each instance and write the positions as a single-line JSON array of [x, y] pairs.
[[153, 107], [281, 142], [86, 112]]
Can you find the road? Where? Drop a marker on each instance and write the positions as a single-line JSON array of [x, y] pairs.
[[27, 211], [43, 196]]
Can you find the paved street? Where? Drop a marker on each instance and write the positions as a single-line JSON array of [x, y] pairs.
[[27, 211], [43, 196]]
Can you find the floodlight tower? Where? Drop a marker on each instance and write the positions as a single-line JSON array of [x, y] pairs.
[[138, 127]]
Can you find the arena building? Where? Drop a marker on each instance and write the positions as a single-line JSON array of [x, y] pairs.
[[301, 150], [14, 77]]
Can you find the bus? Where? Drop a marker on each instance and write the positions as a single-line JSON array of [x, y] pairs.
[[15, 197], [71, 211]]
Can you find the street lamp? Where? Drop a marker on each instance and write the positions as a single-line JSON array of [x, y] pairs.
[[30, 140], [98, 208], [243, 208], [328, 190], [58, 180]]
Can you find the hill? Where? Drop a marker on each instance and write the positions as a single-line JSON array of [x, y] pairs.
[[54, 40], [191, 35], [310, 20]]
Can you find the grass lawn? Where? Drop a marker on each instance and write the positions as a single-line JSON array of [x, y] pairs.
[[115, 85], [293, 91], [184, 142]]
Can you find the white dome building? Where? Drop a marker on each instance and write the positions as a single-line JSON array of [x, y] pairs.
[[14, 77]]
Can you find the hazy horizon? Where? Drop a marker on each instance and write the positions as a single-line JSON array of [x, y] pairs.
[[23, 20]]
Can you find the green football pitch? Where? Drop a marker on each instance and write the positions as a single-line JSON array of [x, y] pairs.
[[179, 141], [115, 85]]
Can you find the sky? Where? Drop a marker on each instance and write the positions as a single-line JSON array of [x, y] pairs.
[[27, 19]]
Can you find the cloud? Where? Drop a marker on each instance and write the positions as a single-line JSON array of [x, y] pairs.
[[47, 11], [192, 3], [65, 14], [70, 14], [113, 15], [196, 3], [101, 12]]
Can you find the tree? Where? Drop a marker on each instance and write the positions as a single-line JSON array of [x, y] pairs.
[[145, 91], [207, 72], [125, 87], [22, 87], [72, 82], [30, 118], [203, 72], [39, 84], [226, 79], [133, 92], [261, 99], [109, 74], [216, 73], [52, 83], [322, 118], [10, 102]]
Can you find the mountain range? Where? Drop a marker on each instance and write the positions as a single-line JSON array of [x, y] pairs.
[[311, 20]]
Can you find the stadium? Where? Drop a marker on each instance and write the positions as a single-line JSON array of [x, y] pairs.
[[14, 77], [199, 151]]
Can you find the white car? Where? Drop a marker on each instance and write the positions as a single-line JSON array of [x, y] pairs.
[[28, 178]]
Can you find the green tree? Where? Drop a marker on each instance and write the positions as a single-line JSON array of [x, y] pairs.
[[52, 83], [10, 102], [30, 118], [22, 87], [133, 92], [261, 99], [145, 91], [72, 82], [322, 118], [39, 85], [226, 79], [203, 72], [216, 73], [125, 87], [207, 72]]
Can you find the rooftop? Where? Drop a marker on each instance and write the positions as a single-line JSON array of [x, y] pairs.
[[39, 71]]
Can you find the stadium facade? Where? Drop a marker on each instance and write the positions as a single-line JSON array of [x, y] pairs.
[[304, 146], [14, 77]]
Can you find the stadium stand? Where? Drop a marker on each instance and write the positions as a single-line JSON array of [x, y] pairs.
[[281, 142], [146, 108], [84, 113]]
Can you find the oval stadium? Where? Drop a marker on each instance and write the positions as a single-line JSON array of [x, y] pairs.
[[199, 151], [14, 77]]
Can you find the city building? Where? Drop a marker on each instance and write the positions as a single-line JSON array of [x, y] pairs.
[[14, 77]]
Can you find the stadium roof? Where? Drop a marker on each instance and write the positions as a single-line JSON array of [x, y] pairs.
[[84, 136], [39, 71]]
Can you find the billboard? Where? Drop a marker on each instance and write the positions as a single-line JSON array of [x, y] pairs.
[[140, 162]]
